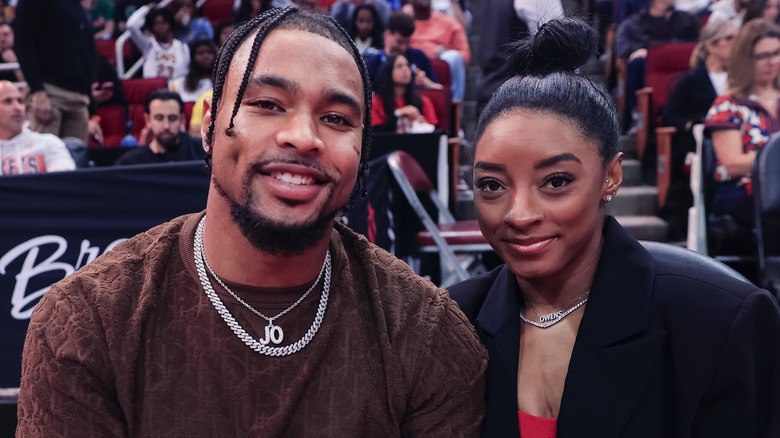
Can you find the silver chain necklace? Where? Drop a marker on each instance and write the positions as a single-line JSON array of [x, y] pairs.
[[550, 319], [273, 333]]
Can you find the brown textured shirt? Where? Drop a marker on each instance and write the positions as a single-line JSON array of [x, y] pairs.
[[131, 346]]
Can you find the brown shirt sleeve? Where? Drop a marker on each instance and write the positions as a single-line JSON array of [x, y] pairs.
[[447, 397], [66, 387]]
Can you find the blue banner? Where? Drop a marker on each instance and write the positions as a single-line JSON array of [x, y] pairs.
[[54, 223]]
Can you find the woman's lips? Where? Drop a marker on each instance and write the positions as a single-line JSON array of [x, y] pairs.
[[530, 246]]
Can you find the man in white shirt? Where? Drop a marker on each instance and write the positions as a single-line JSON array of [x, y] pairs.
[[24, 151]]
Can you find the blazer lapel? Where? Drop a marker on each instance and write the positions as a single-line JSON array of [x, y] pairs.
[[498, 323], [612, 362]]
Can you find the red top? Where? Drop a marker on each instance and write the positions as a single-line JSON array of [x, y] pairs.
[[536, 427], [378, 115]]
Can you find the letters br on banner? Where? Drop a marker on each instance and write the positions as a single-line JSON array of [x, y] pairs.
[[51, 224]]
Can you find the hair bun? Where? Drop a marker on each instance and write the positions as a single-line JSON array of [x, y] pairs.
[[560, 45]]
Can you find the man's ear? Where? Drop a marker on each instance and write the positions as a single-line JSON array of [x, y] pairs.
[[205, 123]]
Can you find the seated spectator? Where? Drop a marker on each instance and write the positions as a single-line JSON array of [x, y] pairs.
[[164, 111], [765, 9], [343, 10], [659, 23], [190, 24], [166, 56], [366, 28], [7, 54], [687, 105], [396, 106], [21, 150], [441, 36], [396, 41], [197, 114], [198, 79], [741, 121], [222, 31], [102, 13], [458, 10]]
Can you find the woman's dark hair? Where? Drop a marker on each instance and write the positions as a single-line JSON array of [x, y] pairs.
[[386, 91], [245, 11], [755, 9], [162, 12], [258, 29], [197, 72], [547, 80], [377, 32], [162, 94], [218, 30]]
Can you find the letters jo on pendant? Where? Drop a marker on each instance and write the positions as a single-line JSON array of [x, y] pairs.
[[273, 333]]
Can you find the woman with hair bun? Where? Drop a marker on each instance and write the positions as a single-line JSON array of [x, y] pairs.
[[588, 333]]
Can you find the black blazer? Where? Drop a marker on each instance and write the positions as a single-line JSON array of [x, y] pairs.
[[690, 100], [663, 350]]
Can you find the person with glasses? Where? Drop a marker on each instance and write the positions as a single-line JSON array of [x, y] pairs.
[[687, 105], [741, 121]]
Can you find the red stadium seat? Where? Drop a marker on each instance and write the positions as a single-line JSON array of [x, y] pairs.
[[136, 91], [442, 70], [112, 122], [665, 63], [218, 10], [449, 236], [440, 104], [107, 48], [188, 114]]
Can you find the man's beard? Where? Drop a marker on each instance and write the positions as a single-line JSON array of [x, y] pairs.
[[272, 236], [167, 143]]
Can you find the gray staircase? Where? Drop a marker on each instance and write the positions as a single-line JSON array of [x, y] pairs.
[[636, 204]]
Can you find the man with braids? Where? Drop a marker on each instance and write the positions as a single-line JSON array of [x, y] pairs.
[[261, 316]]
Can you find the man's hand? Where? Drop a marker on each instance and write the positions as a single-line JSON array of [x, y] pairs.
[[100, 93], [41, 107], [93, 128], [422, 80], [8, 55], [409, 112]]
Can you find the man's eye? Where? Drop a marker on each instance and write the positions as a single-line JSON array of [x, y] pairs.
[[267, 104], [337, 120]]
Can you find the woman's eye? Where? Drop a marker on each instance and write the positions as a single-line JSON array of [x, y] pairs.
[[558, 181], [488, 185]]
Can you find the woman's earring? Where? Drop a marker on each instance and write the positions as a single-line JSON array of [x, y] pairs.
[[206, 147], [609, 198]]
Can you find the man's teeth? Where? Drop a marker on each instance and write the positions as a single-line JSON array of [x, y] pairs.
[[293, 179]]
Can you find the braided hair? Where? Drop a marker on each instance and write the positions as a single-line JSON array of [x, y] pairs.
[[294, 19]]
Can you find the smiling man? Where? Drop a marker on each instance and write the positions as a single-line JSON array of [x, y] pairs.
[[261, 316]]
